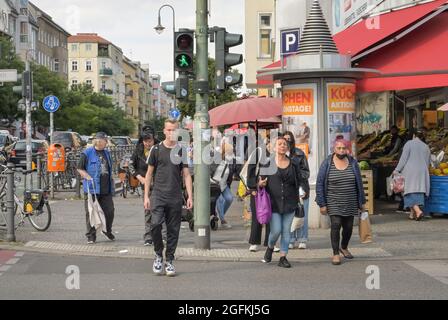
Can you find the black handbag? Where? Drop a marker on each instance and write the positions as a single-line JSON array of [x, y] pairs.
[[300, 211]]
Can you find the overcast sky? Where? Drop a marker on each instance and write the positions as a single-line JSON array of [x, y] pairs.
[[130, 24]]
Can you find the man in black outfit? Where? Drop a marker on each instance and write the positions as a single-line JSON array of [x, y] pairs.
[[167, 165]]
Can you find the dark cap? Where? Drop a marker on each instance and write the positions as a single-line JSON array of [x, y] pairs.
[[101, 135], [147, 135]]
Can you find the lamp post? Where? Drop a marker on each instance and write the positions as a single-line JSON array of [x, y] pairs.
[[29, 158], [159, 29]]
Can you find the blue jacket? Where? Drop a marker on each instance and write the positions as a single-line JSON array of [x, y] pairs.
[[93, 168], [322, 182]]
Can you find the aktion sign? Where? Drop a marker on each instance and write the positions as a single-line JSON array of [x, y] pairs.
[[341, 97]]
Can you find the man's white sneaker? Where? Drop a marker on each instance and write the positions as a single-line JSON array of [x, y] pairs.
[[170, 271], [302, 245], [291, 246], [276, 249], [157, 266], [253, 248]]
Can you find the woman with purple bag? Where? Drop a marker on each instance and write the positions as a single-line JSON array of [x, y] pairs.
[[282, 186]]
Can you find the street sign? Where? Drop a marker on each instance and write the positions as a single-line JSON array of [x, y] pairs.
[[51, 104], [174, 114], [290, 39], [8, 75]]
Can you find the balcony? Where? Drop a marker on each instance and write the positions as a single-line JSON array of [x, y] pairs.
[[106, 72], [107, 91]]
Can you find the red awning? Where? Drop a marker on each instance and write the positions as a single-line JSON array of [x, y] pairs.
[[418, 60], [359, 37]]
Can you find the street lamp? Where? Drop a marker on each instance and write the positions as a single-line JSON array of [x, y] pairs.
[[28, 116], [159, 28]]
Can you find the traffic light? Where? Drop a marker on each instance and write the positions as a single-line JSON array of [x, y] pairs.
[[225, 60], [25, 89], [183, 50], [179, 87]]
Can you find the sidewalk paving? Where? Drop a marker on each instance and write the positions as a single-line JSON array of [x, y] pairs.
[[394, 236]]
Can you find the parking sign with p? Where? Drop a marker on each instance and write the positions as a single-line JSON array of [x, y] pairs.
[[290, 39]]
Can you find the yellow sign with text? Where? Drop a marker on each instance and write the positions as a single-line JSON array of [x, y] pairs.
[[341, 98], [298, 102]]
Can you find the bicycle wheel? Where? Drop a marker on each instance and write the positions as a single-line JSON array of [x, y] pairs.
[[125, 189], [41, 220]]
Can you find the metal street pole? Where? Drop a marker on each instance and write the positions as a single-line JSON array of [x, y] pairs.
[[29, 158], [201, 123]]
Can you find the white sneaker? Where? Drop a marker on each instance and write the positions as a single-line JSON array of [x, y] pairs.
[[157, 266], [226, 226], [170, 271], [302, 245], [291, 246], [276, 249], [253, 248]]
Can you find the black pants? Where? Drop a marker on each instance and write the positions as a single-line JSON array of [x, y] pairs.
[[338, 222], [170, 212], [256, 228], [148, 236], [107, 204]]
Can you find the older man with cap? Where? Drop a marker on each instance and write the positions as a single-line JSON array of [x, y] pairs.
[[95, 167]]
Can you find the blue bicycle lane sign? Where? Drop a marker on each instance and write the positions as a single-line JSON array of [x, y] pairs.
[[51, 104]]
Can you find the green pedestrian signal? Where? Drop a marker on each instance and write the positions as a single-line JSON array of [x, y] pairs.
[[184, 50]]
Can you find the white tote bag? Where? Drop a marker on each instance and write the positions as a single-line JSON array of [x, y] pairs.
[[250, 160], [96, 213]]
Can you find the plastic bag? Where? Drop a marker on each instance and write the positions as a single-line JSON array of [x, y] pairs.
[[389, 186], [263, 206], [398, 183]]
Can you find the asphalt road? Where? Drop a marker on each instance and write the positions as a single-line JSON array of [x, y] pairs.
[[44, 276]]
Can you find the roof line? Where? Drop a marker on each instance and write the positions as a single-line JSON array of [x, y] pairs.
[[402, 34]]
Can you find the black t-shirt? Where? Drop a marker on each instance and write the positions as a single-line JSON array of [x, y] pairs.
[[104, 176], [167, 182]]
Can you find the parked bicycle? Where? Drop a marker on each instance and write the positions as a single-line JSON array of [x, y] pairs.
[[34, 206], [128, 182]]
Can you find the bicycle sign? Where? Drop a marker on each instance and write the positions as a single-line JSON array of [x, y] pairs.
[[51, 104]]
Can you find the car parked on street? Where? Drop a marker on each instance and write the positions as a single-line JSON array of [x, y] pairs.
[[18, 152], [71, 141], [122, 141]]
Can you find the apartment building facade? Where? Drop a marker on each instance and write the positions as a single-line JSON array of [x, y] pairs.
[[96, 61]]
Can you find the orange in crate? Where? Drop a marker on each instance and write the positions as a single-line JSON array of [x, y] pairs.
[[56, 158]]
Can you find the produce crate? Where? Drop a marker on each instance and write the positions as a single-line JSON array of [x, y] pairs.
[[367, 181], [438, 199]]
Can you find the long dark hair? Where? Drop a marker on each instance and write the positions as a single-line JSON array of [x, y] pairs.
[[293, 139]]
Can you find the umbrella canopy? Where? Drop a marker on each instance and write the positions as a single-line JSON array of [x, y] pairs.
[[444, 107], [246, 110]]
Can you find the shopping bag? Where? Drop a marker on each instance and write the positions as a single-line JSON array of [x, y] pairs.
[[365, 229], [389, 186], [299, 218], [398, 183], [244, 173], [263, 206], [96, 214], [242, 191]]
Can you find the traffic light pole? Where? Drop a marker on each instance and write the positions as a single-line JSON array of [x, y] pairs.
[[28, 125], [201, 123]]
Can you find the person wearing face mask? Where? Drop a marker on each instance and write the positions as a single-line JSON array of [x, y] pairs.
[[340, 194]]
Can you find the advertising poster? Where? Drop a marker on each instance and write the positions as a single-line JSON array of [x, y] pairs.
[[341, 114], [299, 117], [347, 12]]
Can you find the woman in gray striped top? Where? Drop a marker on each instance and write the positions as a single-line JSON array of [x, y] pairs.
[[340, 194]]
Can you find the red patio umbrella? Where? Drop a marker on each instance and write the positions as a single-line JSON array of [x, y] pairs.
[[246, 110], [444, 107]]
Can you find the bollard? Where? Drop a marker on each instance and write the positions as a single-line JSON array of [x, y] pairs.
[[10, 232], [39, 171]]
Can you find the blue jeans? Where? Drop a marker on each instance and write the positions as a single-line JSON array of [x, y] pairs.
[[281, 225], [301, 234], [224, 202]]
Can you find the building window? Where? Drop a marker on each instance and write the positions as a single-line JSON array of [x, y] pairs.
[[89, 82], [56, 65], [88, 65], [103, 85], [74, 65], [74, 47], [23, 32], [88, 47], [74, 83], [103, 65], [265, 33]]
